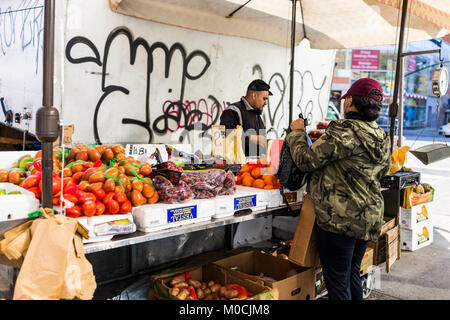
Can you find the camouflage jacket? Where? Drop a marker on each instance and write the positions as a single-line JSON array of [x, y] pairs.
[[347, 163]]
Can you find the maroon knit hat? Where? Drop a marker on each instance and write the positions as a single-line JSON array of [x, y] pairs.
[[362, 87]]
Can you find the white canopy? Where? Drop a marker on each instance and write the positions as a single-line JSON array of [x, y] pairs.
[[328, 24]]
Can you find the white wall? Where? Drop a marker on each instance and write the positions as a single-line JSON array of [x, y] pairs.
[[21, 49], [204, 69]]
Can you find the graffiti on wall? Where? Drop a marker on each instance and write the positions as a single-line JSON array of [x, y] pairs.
[[23, 27], [181, 115], [184, 113]]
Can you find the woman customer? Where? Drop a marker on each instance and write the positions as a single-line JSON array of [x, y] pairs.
[[346, 164]]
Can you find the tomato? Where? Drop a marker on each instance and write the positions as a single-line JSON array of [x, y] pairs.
[[137, 198], [93, 154], [89, 208], [56, 201], [72, 198], [4, 175], [87, 196], [88, 173], [137, 185], [109, 196], [96, 177], [73, 152], [113, 206], [120, 197], [83, 185], [77, 167], [99, 208], [107, 155], [148, 190], [82, 155], [56, 185], [73, 212], [111, 172], [99, 193], [125, 207], [146, 170], [94, 186], [31, 181], [110, 185], [77, 176], [100, 148], [67, 172], [14, 177]]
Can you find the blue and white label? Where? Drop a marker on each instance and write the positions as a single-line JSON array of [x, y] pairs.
[[181, 214], [245, 202]]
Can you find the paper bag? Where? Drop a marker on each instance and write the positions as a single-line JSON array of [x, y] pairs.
[[234, 153], [15, 245], [55, 266]]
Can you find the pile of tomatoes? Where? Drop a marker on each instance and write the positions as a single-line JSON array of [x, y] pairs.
[[95, 180]]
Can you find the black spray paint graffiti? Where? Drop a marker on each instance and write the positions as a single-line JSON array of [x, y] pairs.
[[161, 124], [278, 86], [24, 24]]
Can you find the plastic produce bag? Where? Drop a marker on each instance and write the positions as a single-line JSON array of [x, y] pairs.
[[209, 183], [398, 159], [55, 266], [169, 193]]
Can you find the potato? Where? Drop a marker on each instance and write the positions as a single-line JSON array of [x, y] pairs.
[[200, 294], [175, 291], [215, 288], [177, 279], [222, 291], [204, 285], [194, 283], [183, 294], [230, 294], [208, 297], [210, 283], [181, 285]]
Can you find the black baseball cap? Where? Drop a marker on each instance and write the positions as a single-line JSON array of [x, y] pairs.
[[258, 85]]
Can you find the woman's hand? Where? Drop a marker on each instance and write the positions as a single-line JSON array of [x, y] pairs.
[[298, 124]]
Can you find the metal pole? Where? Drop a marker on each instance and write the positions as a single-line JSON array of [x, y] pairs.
[[291, 77], [47, 117], [400, 101], [393, 107]]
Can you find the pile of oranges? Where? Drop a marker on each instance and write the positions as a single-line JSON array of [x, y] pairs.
[[255, 175]]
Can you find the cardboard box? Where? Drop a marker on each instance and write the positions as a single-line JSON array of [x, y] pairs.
[[304, 250], [159, 290], [379, 246], [411, 198], [288, 280], [416, 215], [367, 261], [417, 238], [67, 134]]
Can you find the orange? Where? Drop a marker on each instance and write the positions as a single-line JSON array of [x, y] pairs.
[[256, 173], [268, 187], [239, 179], [245, 168], [258, 183], [154, 198], [247, 181], [269, 179]]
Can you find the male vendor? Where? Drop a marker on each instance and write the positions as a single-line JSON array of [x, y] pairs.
[[247, 113]]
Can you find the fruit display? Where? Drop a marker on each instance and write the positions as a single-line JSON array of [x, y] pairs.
[[184, 287], [258, 176], [93, 180], [172, 193]]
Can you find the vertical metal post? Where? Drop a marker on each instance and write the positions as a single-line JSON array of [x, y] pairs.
[[47, 117], [400, 103], [393, 107], [291, 77]]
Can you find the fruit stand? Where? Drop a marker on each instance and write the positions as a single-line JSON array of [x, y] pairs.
[[130, 207]]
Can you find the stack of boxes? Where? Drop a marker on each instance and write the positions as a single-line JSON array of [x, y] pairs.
[[416, 217]]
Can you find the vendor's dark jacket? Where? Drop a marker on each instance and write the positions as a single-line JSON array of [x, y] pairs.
[[241, 113], [346, 162]]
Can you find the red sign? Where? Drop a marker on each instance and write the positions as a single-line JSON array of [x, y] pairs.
[[411, 67], [365, 59]]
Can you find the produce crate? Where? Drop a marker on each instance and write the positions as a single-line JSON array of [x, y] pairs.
[[400, 180], [379, 246], [159, 216]]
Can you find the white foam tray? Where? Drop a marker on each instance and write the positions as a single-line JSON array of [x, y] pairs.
[[90, 222]]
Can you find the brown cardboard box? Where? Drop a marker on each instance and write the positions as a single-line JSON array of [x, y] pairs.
[[290, 281], [159, 289], [304, 250]]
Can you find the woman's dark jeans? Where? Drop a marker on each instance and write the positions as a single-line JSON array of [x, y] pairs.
[[340, 258]]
